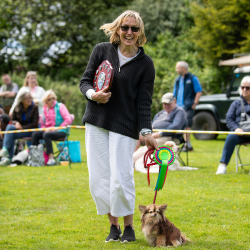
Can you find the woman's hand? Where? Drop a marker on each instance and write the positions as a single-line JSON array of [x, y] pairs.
[[101, 96], [150, 141], [238, 130], [18, 125]]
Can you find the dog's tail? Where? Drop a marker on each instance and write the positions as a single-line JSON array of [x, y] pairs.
[[184, 238]]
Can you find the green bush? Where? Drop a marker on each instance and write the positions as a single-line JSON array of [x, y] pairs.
[[67, 93], [166, 52]]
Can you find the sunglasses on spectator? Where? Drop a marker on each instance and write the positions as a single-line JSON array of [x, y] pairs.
[[28, 98], [126, 28], [246, 87], [52, 98]]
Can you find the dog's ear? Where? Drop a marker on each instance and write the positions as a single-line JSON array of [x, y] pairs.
[[142, 208], [169, 143], [163, 207]]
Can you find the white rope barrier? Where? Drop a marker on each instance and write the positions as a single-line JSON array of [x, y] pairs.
[[202, 132], [186, 131], [29, 130], [154, 130]]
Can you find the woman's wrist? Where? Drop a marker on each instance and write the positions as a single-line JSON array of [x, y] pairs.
[[89, 94], [145, 132]]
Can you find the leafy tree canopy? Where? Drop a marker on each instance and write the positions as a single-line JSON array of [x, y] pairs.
[[161, 15], [166, 52], [63, 31], [221, 28]]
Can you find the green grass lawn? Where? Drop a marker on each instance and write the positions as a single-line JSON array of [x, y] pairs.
[[51, 207]]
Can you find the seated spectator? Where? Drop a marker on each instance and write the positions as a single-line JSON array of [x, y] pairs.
[[171, 117], [4, 121], [31, 85], [55, 114], [25, 116], [232, 120], [8, 92]]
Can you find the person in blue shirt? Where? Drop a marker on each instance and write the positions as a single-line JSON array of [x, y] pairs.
[[187, 91]]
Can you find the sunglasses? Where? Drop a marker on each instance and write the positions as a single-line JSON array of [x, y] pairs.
[[126, 28], [53, 98], [28, 98], [246, 87]]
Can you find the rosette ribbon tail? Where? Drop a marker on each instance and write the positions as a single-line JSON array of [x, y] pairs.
[[162, 175]]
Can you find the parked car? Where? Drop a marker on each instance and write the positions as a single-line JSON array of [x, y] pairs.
[[210, 113]]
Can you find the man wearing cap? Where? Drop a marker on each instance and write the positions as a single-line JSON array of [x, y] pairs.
[[171, 117], [187, 91], [8, 92]]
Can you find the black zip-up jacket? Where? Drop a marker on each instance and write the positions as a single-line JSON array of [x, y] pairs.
[[31, 117], [129, 108]]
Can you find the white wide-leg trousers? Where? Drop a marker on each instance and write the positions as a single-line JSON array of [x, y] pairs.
[[111, 172]]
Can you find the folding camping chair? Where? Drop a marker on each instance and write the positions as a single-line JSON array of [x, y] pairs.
[[20, 143], [181, 143], [237, 150], [65, 143], [61, 147]]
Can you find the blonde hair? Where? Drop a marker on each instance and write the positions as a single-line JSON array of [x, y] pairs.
[[19, 104], [110, 29], [29, 73], [245, 79], [47, 94]]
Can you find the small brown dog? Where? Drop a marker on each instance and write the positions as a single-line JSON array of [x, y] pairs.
[[158, 230]]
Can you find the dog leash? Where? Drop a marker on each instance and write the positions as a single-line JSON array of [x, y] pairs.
[[163, 157]]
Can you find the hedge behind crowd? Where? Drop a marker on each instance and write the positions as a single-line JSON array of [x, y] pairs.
[[67, 92]]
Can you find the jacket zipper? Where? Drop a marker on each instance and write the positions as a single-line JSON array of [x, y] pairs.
[[126, 62]]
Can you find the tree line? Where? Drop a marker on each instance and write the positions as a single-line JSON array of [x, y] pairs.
[[56, 38]]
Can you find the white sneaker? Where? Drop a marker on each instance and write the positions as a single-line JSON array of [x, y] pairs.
[[51, 162], [222, 169]]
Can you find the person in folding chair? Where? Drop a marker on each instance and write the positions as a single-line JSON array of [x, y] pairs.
[[232, 120], [171, 117], [55, 114], [25, 116]]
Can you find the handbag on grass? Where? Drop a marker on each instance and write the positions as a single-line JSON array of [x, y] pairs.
[[36, 158], [244, 123]]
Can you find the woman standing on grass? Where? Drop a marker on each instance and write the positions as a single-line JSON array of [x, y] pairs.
[[233, 118], [113, 122], [31, 85]]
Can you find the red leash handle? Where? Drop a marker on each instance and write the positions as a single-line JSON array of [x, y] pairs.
[[149, 156]]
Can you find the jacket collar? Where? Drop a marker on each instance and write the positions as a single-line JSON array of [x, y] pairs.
[[142, 53]]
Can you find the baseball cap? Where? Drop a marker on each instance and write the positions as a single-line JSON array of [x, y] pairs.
[[168, 98]]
